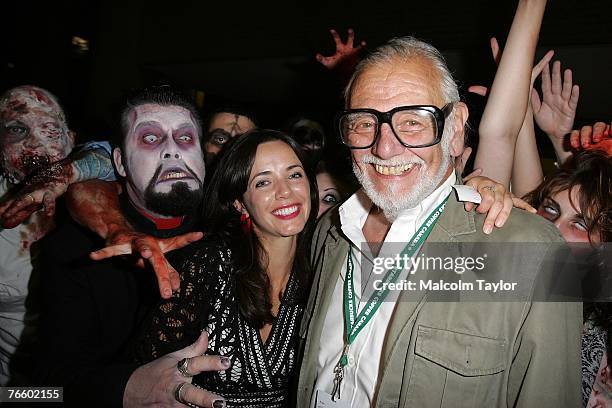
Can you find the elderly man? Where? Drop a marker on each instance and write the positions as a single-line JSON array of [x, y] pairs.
[[92, 311], [404, 124], [34, 135]]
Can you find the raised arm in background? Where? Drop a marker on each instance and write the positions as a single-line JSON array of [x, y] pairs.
[[526, 168], [507, 104], [527, 171], [556, 111], [346, 57], [555, 116]]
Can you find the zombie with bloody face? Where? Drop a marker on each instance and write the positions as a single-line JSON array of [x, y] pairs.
[[38, 164], [92, 310], [37, 159], [33, 131]]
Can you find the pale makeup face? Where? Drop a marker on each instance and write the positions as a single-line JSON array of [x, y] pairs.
[[278, 194], [568, 219], [393, 176], [222, 128], [33, 132], [162, 147], [329, 192]]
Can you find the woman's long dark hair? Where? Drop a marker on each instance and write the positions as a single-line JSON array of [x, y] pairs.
[[228, 184]]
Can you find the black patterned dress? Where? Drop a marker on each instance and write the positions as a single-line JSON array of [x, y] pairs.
[[260, 373], [593, 349]]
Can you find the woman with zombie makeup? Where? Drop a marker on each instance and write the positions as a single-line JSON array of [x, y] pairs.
[[245, 283], [332, 187], [578, 200]]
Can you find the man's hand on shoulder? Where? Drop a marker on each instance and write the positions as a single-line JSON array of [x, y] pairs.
[[496, 201]]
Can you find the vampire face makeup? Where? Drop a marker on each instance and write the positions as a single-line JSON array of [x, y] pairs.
[[162, 159]]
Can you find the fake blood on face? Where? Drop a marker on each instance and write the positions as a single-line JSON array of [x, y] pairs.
[[30, 162]]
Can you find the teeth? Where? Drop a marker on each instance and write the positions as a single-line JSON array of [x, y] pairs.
[[285, 211], [174, 175], [393, 170]]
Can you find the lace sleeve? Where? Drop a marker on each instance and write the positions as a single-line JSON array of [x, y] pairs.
[[177, 322]]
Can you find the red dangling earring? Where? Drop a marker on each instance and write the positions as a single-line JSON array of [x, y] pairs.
[[245, 220]]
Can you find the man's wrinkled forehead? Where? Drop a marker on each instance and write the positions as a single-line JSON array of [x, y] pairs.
[[417, 71], [165, 116], [29, 99]]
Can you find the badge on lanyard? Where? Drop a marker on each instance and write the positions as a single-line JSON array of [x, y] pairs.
[[324, 400], [354, 322]]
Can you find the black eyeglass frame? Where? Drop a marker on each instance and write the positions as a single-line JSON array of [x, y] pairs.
[[440, 116]]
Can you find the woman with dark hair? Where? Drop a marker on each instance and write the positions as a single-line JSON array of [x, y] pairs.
[[578, 200], [245, 283]]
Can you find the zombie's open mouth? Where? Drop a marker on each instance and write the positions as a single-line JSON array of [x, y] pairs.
[[31, 162]]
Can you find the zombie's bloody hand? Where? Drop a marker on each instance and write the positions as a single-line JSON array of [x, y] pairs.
[[127, 242], [346, 56], [37, 192], [48, 180], [598, 136], [95, 205]]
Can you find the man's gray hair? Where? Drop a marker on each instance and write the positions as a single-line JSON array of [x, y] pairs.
[[406, 49]]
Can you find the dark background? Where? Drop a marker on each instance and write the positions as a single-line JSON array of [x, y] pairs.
[[262, 53]]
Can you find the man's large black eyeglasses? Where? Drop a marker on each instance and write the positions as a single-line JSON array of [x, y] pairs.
[[413, 126]]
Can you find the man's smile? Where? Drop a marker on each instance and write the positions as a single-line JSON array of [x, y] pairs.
[[401, 170]]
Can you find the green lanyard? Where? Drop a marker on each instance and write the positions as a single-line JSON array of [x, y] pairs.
[[354, 324]]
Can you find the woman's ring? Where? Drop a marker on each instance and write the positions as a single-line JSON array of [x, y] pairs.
[[182, 367], [177, 393]]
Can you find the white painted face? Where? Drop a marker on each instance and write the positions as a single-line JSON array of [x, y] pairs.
[[162, 148], [33, 131], [564, 211], [393, 176], [278, 194], [329, 192]]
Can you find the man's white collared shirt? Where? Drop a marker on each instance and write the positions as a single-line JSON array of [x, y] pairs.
[[360, 382]]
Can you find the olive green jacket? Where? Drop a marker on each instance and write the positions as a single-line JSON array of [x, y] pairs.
[[460, 354]]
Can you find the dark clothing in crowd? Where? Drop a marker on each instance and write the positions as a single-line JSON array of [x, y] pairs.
[[92, 312]]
